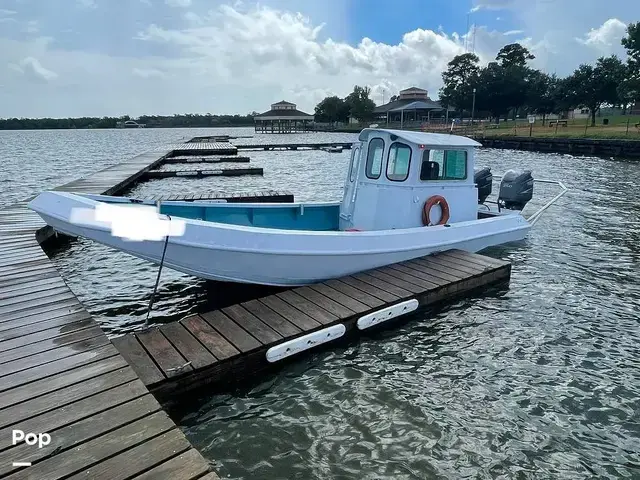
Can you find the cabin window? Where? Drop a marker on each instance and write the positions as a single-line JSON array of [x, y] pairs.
[[398, 162], [444, 165], [355, 154], [374, 158]]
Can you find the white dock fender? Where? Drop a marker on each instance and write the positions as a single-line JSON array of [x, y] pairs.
[[305, 342], [375, 318]]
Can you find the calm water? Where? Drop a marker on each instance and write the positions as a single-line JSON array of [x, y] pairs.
[[540, 380]]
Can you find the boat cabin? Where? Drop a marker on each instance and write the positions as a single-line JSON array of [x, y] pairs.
[[393, 173]]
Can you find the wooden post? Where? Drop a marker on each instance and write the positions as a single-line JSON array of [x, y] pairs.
[[586, 125], [557, 121], [627, 134]]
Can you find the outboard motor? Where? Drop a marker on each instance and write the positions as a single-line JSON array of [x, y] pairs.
[[483, 179], [516, 189]]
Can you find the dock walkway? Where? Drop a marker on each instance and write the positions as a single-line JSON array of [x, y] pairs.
[[229, 343], [60, 374]]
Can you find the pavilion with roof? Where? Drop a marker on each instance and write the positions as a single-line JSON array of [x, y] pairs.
[[411, 105], [283, 117]]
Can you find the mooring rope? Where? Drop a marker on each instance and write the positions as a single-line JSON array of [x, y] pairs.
[[155, 288]]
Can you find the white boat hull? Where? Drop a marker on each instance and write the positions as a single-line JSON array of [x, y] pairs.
[[225, 252]]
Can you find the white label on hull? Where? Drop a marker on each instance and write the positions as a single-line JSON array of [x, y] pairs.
[[388, 313], [305, 342], [212, 172], [186, 174]]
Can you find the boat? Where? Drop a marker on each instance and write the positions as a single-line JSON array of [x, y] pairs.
[[406, 195]]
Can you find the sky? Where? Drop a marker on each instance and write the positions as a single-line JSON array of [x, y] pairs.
[[69, 58]]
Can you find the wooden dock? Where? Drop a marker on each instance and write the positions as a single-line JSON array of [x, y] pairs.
[[292, 146], [60, 375], [266, 196], [224, 172], [208, 159], [202, 148], [239, 340]]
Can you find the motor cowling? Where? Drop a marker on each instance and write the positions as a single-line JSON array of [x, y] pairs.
[[516, 189], [483, 178]]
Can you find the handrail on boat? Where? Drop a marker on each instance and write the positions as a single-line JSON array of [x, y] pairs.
[[534, 217]]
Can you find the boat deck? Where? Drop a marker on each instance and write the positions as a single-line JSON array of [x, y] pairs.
[[60, 374], [234, 341]]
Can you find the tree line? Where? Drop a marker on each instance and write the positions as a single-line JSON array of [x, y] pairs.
[[509, 85], [357, 104], [150, 121]]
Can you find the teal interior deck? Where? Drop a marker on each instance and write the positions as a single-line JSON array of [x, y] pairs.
[[286, 217]]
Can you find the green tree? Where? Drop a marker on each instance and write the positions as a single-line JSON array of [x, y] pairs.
[[632, 43], [332, 109], [459, 79], [514, 55], [542, 93], [513, 59], [629, 90], [360, 105], [592, 87]]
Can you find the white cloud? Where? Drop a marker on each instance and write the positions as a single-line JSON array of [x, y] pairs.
[[491, 5], [606, 37], [32, 68], [178, 3], [513, 32]]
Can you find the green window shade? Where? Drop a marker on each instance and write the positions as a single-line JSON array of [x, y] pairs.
[[455, 165]]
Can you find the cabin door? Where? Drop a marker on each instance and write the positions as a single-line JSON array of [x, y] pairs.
[[350, 190]]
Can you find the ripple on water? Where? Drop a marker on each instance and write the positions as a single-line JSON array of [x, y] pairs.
[[540, 380]]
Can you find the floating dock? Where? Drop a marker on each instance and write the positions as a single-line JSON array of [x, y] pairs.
[[238, 340], [202, 148], [266, 196], [225, 172], [209, 159]]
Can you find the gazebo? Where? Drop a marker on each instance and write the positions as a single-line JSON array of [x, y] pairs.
[[283, 117], [414, 111], [412, 104]]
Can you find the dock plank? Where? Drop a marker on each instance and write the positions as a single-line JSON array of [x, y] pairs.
[[271, 318], [135, 354], [298, 318], [210, 338], [293, 298], [372, 290], [188, 346], [188, 465], [97, 451], [353, 292], [233, 332], [252, 324], [165, 355], [97, 418], [139, 458], [52, 355], [340, 297]]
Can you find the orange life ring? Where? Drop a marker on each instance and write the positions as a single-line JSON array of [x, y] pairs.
[[429, 204]]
